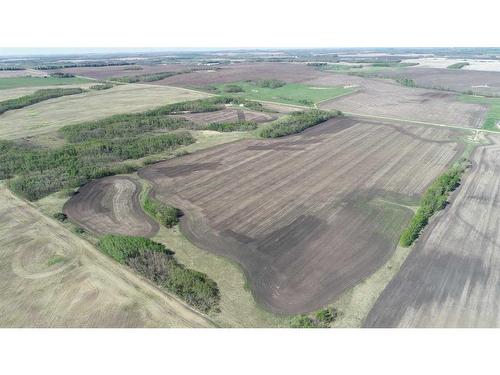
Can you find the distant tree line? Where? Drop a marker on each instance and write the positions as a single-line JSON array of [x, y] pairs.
[[434, 199], [458, 65], [145, 77], [158, 264], [36, 97], [62, 75], [296, 122], [93, 64], [101, 86], [9, 68]]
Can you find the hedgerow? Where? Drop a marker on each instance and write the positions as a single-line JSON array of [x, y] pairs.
[[434, 199], [296, 122], [36, 97]]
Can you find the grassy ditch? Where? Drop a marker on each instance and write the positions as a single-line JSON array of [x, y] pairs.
[[296, 122], [36, 97], [434, 199], [155, 262]]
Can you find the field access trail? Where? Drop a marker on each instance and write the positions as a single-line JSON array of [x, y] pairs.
[[295, 212], [452, 276]]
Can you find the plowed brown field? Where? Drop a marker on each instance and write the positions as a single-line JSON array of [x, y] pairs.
[[306, 216], [452, 277], [377, 97], [111, 205]]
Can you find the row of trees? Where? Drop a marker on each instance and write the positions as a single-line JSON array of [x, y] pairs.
[[234, 126], [158, 264], [296, 122], [434, 199]]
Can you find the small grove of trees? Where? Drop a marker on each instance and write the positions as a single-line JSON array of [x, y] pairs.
[[233, 88], [458, 65], [270, 83], [296, 122], [61, 75], [406, 82], [36, 97], [236, 126], [434, 199], [322, 319], [158, 264], [165, 214]]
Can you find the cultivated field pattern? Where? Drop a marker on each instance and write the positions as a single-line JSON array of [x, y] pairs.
[[307, 216], [451, 278], [49, 277], [111, 205]]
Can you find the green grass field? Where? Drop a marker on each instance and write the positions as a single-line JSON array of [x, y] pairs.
[[14, 82], [291, 93], [493, 116]]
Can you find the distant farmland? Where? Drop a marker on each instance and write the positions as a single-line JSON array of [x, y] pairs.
[[13, 82], [50, 115], [291, 93], [307, 216]]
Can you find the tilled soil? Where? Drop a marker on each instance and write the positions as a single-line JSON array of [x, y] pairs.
[[302, 214], [452, 276], [383, 98], [111, 205]]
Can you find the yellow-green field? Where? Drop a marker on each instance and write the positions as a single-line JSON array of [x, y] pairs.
[[52, 114], [49, 277]]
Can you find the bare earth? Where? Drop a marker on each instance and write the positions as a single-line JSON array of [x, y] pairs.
[[481, 82], [288, 72], [111, 205], [303, 215], [387, 99], [452, 277], [229, 115], [49, 277]]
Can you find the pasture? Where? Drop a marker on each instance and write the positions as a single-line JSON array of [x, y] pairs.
[[14, 82], [291, 93], [296, 212]]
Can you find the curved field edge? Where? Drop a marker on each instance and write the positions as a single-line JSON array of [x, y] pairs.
[[238, 305], [53, 278]]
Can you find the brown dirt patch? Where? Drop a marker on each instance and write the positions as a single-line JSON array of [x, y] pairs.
[[299, 213], [452, 277], [111, 205]]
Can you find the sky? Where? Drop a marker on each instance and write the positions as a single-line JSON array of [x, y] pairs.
[[249, 24]]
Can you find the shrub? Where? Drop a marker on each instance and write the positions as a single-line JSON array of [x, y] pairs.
[[270, 83], [60, 216], [406, 82], [165, 214], [327, 316], [233, 88], [303, 321]]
